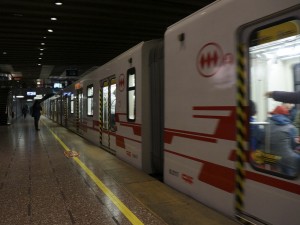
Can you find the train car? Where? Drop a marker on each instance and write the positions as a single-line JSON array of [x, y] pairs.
[[216, 60], [111, 106], [181, 108]]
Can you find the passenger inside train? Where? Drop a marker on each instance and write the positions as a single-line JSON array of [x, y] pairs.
[[284, 138], [275, 66]]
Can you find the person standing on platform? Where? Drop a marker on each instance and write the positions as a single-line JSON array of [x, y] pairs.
[[36, 113]]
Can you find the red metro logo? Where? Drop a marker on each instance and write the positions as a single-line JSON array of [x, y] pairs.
[[209, 59]]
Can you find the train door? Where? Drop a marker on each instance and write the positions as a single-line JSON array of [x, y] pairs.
[[107, 113], [51, 109], [65, 110], [59, 110], [79, 111], [272, 55]]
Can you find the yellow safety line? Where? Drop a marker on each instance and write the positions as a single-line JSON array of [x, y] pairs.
[[130, 216]]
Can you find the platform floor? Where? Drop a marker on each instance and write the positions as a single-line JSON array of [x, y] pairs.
[[39, 184]]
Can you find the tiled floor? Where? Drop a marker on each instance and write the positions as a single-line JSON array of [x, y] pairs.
[[40, 185]]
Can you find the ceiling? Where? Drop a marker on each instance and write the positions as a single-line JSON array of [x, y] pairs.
[[86, 34]]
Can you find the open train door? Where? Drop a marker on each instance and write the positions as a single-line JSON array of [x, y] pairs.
[[268, 57], [107, 113]]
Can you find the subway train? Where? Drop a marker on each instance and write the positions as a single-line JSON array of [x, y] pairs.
[[178, 107]]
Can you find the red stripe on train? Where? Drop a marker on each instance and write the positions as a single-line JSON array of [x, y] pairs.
[[224, 178]]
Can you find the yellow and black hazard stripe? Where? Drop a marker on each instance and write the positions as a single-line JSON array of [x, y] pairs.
[[241, 129]]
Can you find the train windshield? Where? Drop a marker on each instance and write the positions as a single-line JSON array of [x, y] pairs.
[[274, 126]]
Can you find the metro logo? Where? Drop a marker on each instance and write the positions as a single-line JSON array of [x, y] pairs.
[[209, 59], [188, 179]]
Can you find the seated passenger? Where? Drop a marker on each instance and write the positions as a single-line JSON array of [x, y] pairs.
[[256, 133], [283, 140]]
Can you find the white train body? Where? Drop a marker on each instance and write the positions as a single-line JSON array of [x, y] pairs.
[[181, 116]]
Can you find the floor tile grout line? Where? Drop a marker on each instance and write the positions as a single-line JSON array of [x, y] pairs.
[[67, 208], [77, 168]]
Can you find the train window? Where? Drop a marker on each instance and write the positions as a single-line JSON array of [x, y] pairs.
[[274, 56], [109, 104], [113, 87], [131, 94], [90, 97], [80, 104], [72, 103]]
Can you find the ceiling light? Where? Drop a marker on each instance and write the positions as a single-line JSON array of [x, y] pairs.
[[4, 53], [58, 3], [42, 43], [50, 30], [38, 97], [41, 49], [39, 64], [41, 53], [44, 37], [53, 18], [40, 58]]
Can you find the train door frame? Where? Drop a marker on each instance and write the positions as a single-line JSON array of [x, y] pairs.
[[51, 109], [60, 109], [245, 204], [65, 109], [107, 127], [79, 110]]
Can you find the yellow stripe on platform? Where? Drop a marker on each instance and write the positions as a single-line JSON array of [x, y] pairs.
[[118, 203]]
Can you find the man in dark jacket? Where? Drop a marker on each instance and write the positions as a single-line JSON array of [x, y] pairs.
[[284, 96], [36, 113]]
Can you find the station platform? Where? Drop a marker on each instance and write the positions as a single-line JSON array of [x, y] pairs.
[[44, 181]]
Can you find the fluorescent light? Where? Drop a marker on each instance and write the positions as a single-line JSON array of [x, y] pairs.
[[58, 3], [50, 30], [38, 97], [20, 96], [53, 18]]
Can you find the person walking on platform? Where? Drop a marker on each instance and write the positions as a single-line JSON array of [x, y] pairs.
[[25, 110], [36, 113]]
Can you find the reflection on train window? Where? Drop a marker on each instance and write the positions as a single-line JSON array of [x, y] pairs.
[[274, 52], [131, 94], [80, 105], [113, 87], [72, 103], [90, 97], [105, 105]]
